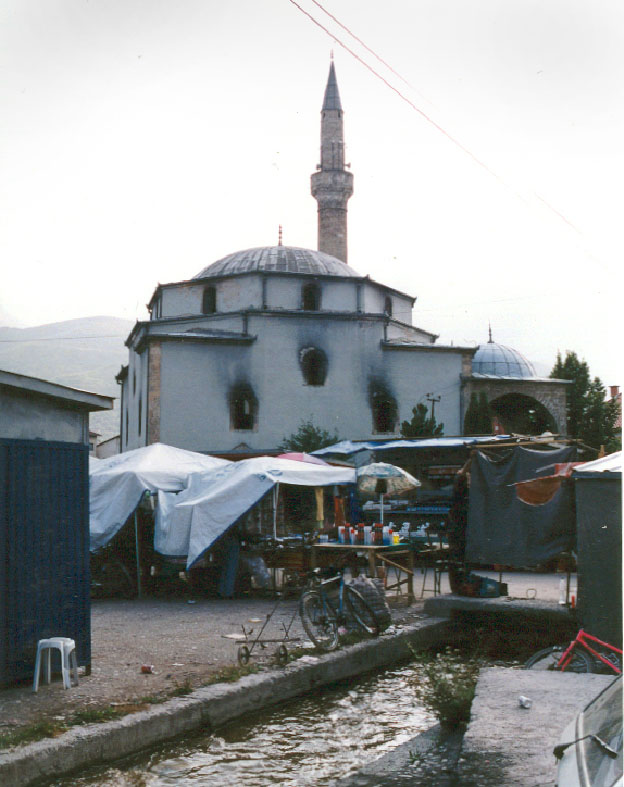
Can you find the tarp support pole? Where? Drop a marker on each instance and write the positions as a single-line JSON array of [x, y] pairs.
[[275, 494], [567, 588], [136, 544]]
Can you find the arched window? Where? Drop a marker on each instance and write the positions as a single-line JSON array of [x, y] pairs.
[[310, 297], [243, 407], [313, 365], [388, 306], [209, 300], [384, 410]]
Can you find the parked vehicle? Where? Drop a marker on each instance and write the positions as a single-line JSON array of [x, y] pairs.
[[590, 754]]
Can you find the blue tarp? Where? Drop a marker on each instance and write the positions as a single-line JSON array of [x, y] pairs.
[[350, 447]]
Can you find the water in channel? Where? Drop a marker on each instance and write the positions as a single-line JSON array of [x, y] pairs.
[[309, 741]]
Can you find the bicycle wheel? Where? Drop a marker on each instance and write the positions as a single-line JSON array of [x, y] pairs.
[[361, 611], [319, 620], [612, 658], [547, 659]]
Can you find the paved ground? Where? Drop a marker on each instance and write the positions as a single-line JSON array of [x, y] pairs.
[[510, 745], [184, 642]]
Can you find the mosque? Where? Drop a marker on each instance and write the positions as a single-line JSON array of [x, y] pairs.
[[233, 360]]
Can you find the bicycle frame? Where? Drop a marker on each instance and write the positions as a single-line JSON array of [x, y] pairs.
[[581, 639], [320, 585]]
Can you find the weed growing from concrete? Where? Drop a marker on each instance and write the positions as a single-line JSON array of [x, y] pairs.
[[94, 716], [445, 684], [231, 674], [153, 699], [182, 689]]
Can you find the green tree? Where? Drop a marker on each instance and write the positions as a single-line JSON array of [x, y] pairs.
[[478, 418], [308, 438], [590, 416], [422, 424]]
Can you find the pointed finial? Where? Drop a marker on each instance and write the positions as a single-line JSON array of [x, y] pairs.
[[490, 340], [331, 55], [279, 236]]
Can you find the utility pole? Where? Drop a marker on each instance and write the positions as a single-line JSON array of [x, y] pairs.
[[431, 398]]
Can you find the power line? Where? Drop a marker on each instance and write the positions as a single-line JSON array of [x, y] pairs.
[[398, 92], [359, 40], [62, 338], [430, 120]]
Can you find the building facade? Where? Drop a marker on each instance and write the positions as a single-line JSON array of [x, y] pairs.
[[236, 358]]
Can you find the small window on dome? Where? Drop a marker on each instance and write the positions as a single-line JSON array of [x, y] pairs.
[[209, 300], [310, 297]]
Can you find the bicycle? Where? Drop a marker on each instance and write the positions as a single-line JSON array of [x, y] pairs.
[[321, 615], [579, 656]]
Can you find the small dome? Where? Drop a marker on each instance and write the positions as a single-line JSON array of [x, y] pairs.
[[278, 259], [496, 360]]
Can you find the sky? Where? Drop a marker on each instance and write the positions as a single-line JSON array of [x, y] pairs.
[[142, 140]]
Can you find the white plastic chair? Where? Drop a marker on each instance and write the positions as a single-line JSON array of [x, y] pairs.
[[69, 663]]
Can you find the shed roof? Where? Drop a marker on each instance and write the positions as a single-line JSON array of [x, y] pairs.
[[35, 386]]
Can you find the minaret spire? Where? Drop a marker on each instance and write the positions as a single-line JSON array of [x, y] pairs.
[[332, 184]]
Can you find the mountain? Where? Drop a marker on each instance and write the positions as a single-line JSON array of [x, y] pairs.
[[84, 353]]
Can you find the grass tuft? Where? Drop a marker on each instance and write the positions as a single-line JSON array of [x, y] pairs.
[[31, 733]]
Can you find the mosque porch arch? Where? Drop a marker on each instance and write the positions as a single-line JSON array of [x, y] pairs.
[[522, 406]]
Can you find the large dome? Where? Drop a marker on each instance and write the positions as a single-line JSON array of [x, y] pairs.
[[496, 360], [278, 259]]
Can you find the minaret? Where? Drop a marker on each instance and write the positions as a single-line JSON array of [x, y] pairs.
[[332, 184]]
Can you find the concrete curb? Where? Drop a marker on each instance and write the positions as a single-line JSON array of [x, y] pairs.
[[209, 708]]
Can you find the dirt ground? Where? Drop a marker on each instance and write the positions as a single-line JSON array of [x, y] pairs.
[[182, 640]]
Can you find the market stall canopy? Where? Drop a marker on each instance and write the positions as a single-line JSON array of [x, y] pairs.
[[608, 464], [297, 456], [362, 452], [117, 484], [188, 523]]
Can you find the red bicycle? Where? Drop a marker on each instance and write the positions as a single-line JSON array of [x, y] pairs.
[[579, 656]]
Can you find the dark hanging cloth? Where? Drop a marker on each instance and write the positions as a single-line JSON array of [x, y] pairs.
[[355, 512], [501, 527]]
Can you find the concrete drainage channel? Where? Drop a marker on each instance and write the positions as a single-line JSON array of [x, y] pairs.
[[211, 707]]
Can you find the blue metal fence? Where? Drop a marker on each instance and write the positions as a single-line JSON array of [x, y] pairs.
[[44, 551]]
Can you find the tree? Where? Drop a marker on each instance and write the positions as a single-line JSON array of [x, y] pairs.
[[478, 418], [590, 416], [421, 425], [308, 438]]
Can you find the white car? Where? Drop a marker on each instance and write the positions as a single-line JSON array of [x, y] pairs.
[[590, 754]]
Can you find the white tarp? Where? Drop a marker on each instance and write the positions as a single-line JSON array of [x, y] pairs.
[[116, 484], [608, 464], [190, 522]]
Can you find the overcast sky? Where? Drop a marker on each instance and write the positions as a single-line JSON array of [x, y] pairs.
[[143, 139]]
